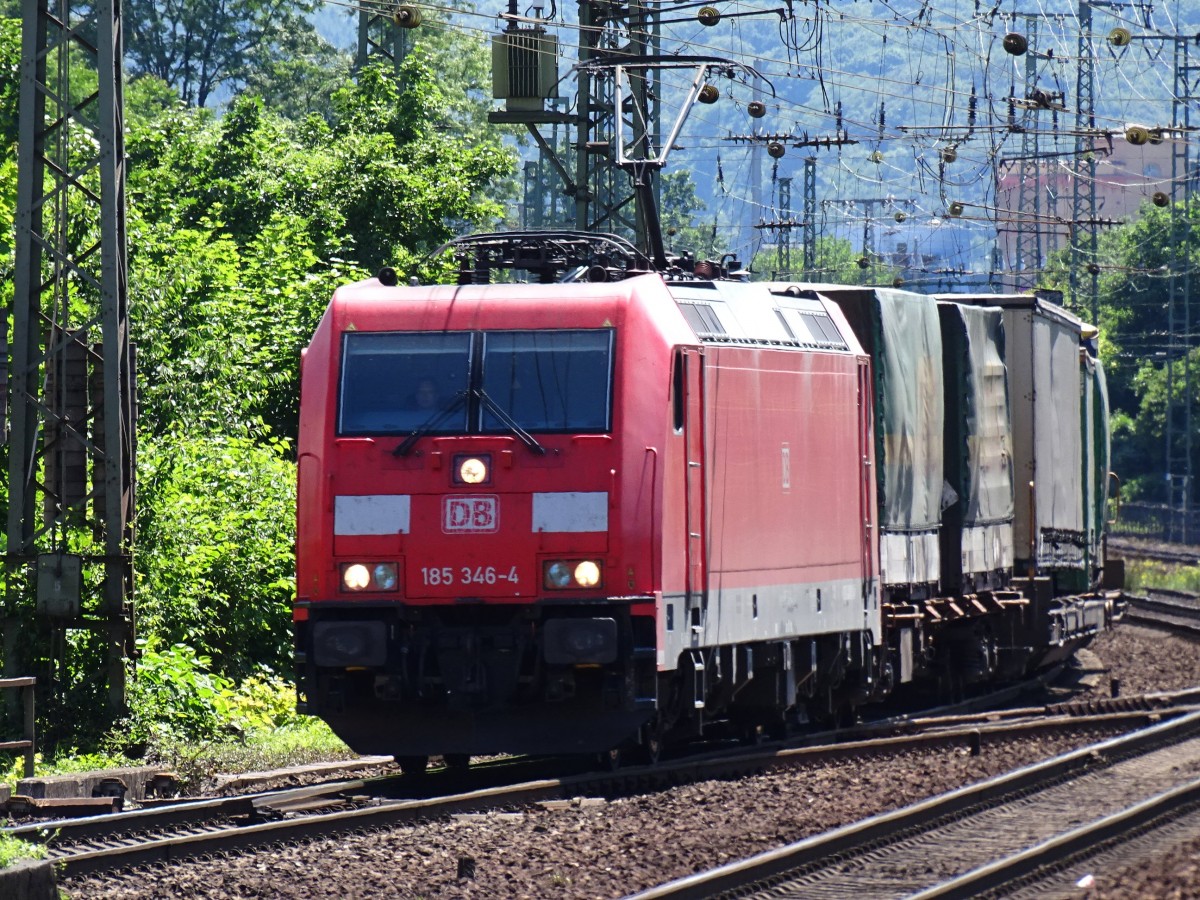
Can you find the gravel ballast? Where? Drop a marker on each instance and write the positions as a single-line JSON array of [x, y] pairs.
[[591, 848]]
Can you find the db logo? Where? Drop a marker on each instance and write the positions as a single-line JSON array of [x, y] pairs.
[[473, 514]]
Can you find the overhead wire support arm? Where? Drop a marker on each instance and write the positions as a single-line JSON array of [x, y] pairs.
[[637, 154]]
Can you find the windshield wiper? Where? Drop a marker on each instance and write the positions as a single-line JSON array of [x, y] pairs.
[[439, 416], [508, 421]]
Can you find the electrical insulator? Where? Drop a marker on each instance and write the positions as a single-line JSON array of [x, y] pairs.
[[1093, 269], [863, 262], [876, 156], [1160, 198], [901, 216], [407, 16], [775, 149], [756, 108], [1137, 134], [955, 209], [897, 282], [709, 94], [949, 154], [1119, 37], [1015, 44], [709, 16]]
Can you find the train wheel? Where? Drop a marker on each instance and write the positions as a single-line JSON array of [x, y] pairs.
[[652, 748], [412, 765], [611, 759], [460, 762], [650, 742]]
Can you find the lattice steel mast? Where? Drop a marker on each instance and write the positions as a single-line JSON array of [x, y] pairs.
[[71, 387]]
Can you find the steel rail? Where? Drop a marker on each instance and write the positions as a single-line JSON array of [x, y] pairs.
[[1166, 614], [1154, 813], [239, 823], [878, 833]]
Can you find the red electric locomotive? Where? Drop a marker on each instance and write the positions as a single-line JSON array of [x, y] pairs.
[[594, 513]]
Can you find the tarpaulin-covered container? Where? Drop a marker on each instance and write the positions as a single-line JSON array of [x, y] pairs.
[[1054, 460], [977, 536], [1099, 452], [900, 332]]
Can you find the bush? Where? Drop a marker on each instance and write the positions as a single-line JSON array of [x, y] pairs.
[[216, 549], [14, 850], [174, 698]]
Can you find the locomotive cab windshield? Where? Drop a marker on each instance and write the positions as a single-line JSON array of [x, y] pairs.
[[487, 382]]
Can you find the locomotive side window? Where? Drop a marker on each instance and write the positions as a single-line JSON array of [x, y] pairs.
[[548, 380], [393, 383]]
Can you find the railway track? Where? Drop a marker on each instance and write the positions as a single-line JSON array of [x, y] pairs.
[[188, 829], [1175, 554], [1008, 833], [1174, 611]]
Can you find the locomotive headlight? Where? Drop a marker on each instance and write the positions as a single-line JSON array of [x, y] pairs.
[[558, 575], [370, 577], [385, 577], [587, 574], [562, 574], [472, 469], [356, 577]]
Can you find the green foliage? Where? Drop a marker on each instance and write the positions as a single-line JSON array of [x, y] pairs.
[[680, 208], [1144, 574], [8, 208], [264, 703], [198, 46], [10, 80], [240, 228], [1136, 323], [304, 741], [836, 262], [175, 697], [185, 716], [14, 850], [216, 547], [66, 761], [301, 80]]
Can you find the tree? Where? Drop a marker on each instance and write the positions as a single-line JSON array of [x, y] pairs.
[[836, 261], [1138, 337], [302, 79], [241, 229], [198, 46], [10, 79]]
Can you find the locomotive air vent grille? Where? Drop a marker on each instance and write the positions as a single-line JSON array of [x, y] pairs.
[[703, 319], [812, 329]]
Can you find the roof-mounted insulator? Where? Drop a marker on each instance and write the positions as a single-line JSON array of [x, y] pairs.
[[1015, 44]]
